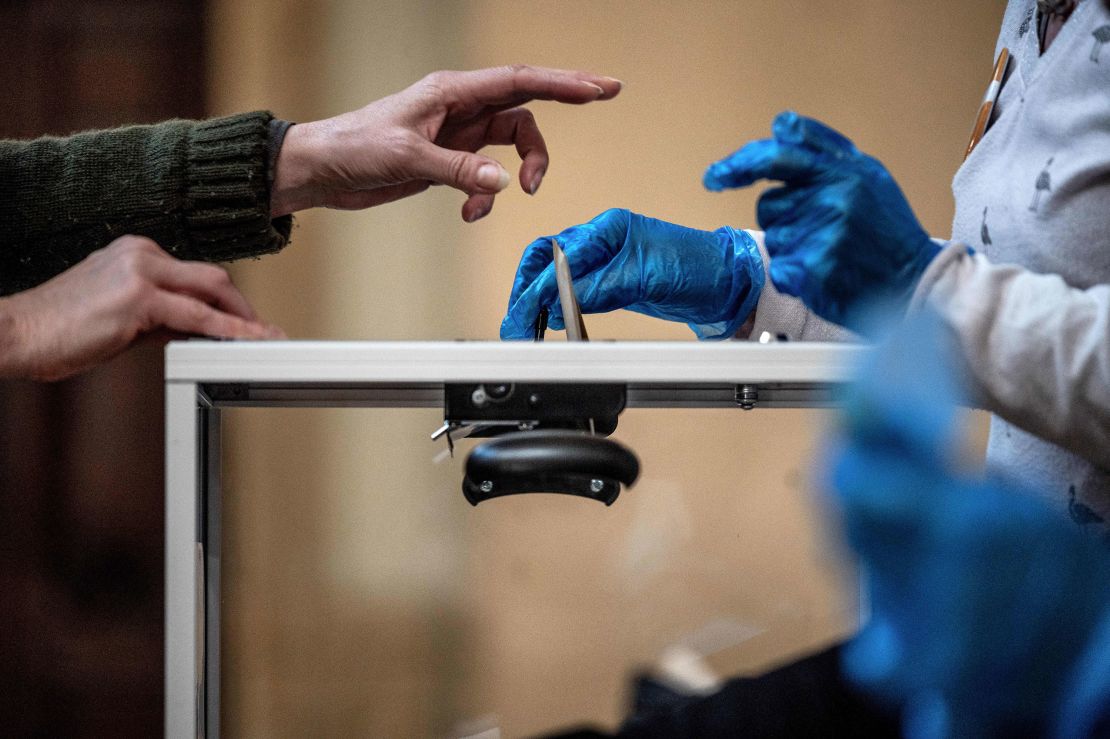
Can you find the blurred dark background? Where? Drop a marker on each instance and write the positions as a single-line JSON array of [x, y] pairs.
[[81, 461]]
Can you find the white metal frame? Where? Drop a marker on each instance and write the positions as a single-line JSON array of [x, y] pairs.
[[204, 376]]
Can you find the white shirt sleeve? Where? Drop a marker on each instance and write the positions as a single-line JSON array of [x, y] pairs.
[[1036, 351]]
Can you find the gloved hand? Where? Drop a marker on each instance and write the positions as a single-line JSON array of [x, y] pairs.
[[985, 603], [839, 231], [709, 279]]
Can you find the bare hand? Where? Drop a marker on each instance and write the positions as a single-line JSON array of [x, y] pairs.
[[427, 134], [96, 309]]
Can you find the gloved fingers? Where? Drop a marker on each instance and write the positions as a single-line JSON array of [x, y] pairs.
[[784, 202], [587, 246], [520, 321], [595, 293], [555, 320], [607, 231], [882, 495], [791, 128], [804, 231], [536, 258], [766, 159], [788, 276], [800, 148]]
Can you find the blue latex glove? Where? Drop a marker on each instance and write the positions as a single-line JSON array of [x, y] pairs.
[[708, 279], [839, 231], [986, 604]]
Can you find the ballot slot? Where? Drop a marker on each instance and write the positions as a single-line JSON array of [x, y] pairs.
[[495, 408]]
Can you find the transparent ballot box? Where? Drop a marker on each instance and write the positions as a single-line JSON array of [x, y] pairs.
[[326, 576]]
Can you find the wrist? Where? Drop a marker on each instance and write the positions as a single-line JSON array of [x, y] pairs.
[[916, 267], [745, 263], [13, 334], [294, 175]]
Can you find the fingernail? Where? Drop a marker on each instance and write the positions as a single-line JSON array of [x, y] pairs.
[[712, 178], [273, 332], [493, 177], [479, 214], [617, 82], [591, 85], [537, 180]]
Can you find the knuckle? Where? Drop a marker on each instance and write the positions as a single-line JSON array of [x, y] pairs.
[[132, 260], [197, 314], [134, 290], [518, 73], [404, 144], [217, 275], [611, 214], [139, 244], [456, 167], [437, 79], [524, 117]]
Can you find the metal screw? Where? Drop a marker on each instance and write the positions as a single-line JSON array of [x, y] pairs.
[[486, 486], [479, 397], [747, 396], [596, 486]]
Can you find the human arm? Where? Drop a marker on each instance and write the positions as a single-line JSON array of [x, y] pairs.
[[1036, 351], [840, 234], [428, 134], [839, 231], [972, 581], [198, 188], [117, 295], [620, 259], [205, 189]]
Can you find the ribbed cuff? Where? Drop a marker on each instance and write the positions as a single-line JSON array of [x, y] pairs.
[[228, 189]]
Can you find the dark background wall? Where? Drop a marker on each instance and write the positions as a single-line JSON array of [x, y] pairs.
[[81, 461]]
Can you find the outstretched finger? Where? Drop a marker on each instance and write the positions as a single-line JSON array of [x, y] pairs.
[[791, 128], [536, 258], [766, 159], [799, 149], [781, 203], [517, 84], [518, 127]]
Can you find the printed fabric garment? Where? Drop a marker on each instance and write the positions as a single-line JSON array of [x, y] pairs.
[[1036, 193]]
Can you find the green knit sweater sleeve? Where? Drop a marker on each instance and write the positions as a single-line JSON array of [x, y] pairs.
[[199, 189]]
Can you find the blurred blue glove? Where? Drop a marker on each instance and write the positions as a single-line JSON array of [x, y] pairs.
[[709, 279], [840, 230], [986, 604]]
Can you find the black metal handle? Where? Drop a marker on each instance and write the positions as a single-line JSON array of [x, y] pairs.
[[549, 462]]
